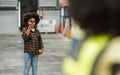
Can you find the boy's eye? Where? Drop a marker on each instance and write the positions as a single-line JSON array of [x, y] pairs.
[[32, 21]]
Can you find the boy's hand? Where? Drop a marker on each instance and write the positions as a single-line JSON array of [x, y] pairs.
[[30, 27], [41, 51]]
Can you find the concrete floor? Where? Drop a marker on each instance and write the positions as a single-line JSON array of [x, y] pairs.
[[50, 63]]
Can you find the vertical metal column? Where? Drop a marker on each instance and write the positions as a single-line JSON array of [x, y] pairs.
[[19, 13]]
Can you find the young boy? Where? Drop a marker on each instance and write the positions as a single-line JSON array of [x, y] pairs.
[[33, 45]]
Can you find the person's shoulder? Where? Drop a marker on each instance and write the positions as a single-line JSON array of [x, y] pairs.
[[37, 31], [114, 44]]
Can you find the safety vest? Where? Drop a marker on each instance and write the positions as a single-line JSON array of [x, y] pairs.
[[86, 57]]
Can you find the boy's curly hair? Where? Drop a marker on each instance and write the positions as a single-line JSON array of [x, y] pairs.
[[98, 16], [26, 17]]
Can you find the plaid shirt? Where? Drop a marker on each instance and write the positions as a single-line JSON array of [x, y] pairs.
[[33, 42]]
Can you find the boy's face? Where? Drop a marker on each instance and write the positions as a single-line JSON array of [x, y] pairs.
[[31, 22]]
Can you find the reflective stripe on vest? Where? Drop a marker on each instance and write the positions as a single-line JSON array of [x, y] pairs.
[[87, 56]]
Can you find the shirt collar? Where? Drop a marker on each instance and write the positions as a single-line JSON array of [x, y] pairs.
[[33, 29]]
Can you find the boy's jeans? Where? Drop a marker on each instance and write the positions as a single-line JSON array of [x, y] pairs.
[[30, 61]]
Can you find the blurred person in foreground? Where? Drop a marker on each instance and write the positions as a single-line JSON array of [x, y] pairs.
[[97, 53], [33, 45]]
